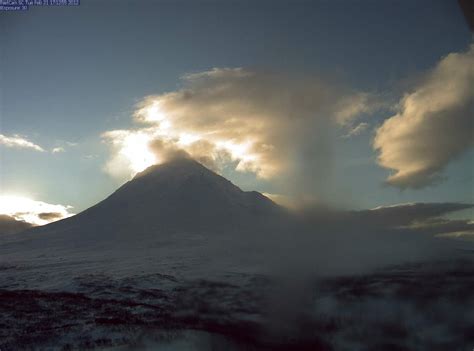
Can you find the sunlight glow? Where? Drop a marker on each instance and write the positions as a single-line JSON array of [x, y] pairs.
[[167, 127], [136, 150], [151, 113], [188, 139], [238, 151], [32, 211]]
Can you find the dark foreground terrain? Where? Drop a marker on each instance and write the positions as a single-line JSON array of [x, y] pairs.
[[416, 307]]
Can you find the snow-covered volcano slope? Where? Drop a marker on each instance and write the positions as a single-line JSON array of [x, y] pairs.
[[168, 219], [179, 196]]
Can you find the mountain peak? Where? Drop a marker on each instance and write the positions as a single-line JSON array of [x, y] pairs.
[[180, 177], [177, 196], [177, 165]]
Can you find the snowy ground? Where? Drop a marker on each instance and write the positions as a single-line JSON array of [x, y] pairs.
[[179, 302]]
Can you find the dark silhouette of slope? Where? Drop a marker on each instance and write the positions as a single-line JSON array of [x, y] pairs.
[[179, 196], [9, 225]]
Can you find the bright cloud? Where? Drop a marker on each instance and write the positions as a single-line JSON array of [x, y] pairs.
[[57, 150], [433, 126], [258, 121], [32, 211], [17, 141], [357, 130]]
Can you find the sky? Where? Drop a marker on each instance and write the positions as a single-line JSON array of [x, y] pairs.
[[356, 104]]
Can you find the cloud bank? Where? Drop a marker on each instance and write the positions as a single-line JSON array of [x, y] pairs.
[[347, 242], [17, 141], [32, 211], [409, 213], [433, 125], [260, 122]]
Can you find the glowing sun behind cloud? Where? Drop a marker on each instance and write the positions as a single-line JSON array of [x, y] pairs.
[[135, 149], [255, 121], [32, 211]]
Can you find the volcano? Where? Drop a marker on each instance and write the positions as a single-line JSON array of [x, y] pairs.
[[178, 196]]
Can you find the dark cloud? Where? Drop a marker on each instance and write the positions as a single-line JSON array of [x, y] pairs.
[[468, 10], [346, 242], [50, 216], [405, 214]]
